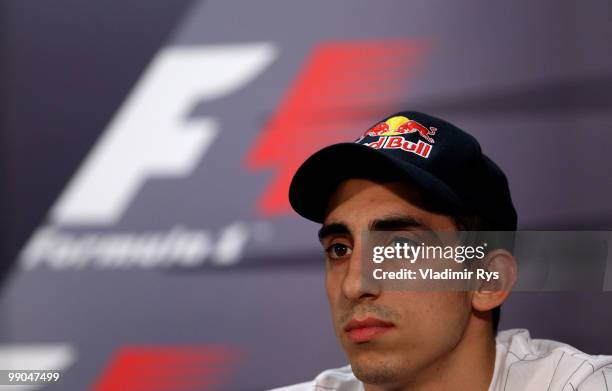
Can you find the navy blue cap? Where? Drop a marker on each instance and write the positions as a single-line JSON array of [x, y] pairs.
[[442, 161]]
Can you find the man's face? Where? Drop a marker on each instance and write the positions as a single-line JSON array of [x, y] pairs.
[[404, 332]]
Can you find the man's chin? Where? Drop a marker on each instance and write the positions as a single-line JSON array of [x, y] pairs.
[[380, 366], [374, 368]]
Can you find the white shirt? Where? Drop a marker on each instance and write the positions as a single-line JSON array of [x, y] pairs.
[[521, 364]]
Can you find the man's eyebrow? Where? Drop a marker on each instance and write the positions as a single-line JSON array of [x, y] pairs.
[[397, 223], [333, 229]]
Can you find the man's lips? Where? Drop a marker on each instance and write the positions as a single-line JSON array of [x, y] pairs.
[[360, 331]]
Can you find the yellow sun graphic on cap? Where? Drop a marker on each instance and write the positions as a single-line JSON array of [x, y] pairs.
[[394, 123]]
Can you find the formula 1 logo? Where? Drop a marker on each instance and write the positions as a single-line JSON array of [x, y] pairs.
[[339, 91]]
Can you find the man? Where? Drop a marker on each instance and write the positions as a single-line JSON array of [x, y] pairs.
[[415, 173]]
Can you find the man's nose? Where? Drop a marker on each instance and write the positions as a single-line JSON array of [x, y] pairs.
[[357, 286]]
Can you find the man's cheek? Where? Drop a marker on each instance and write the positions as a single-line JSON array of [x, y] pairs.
[[333, 284], [334, 300]]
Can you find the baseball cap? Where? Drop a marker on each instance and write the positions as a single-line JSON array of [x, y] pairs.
[[443, 162]]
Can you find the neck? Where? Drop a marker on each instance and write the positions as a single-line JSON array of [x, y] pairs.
[[468, 367]]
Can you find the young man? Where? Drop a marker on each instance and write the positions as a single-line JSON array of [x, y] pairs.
[[410, 173]]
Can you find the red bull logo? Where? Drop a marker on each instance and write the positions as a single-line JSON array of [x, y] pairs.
[[398, 142], [390, 133], [399, 125]]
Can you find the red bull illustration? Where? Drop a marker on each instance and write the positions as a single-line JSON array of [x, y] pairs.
[[399, 125], [391, 131]]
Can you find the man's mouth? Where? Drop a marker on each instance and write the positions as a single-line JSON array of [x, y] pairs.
[[361, 331]]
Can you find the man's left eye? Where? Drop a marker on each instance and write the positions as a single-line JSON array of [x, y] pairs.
[[338, 251]]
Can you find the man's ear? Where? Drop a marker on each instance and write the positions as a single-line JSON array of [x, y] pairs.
[[501, 264]]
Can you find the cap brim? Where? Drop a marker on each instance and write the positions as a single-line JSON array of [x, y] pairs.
[[318, 177]]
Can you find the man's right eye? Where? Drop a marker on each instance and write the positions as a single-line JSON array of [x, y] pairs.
[[338, 251]]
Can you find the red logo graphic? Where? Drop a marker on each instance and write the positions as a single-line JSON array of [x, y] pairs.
[[167, 368], [343, 87], [401, 125], [398, 142]]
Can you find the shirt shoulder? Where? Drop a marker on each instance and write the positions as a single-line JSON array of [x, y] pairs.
[[523, 363], [337, 379]]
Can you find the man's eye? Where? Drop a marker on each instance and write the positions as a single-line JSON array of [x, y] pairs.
[[338, 251]]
